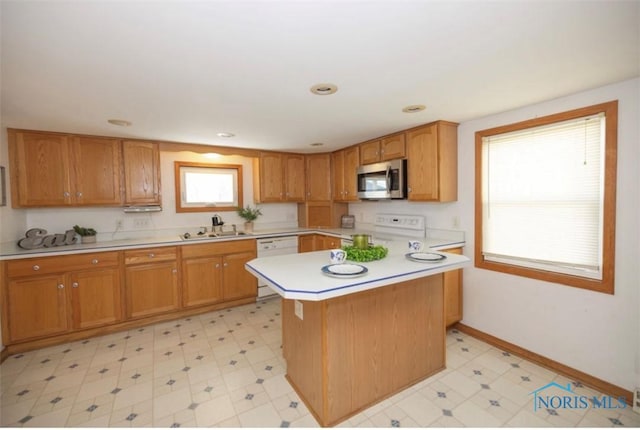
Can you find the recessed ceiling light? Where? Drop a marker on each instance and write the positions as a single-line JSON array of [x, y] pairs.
[[119, 122], [317, 144], [324, 89], [225, 134], [414, 108]]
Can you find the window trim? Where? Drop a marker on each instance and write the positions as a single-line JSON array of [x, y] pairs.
[[178, 186], [606, 285]]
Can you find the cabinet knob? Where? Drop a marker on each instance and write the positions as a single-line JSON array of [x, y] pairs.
[[36, 267], [74, 285], [226, 264], [151, 255], [217, 265], [66, 194], [94, 261], [78, 194], [60, 286], [174, 271]]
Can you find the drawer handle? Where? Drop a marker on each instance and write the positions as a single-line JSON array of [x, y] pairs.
[[151, 255], [60, 286], [36, 267], [74, 285], [94, 261]]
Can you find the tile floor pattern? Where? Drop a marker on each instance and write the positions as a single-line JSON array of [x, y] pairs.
[[225, 369]]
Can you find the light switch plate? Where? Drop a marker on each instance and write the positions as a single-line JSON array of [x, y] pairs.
[[298, 309]]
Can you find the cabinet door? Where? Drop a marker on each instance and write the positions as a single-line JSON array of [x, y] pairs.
[[271, 177], [40, 169], [327, 242], [453, 293], [237, 281], [370, 152], [294, 178], [351, 163], [318, 177], [141, 173], [151, 289], [37, 307], [337, 172], [306, 243], [392, 147], [95, 297], [422, 163], [96, 171], [202, 281]]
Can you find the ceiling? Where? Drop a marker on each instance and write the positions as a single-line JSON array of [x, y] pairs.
[[185, 71]]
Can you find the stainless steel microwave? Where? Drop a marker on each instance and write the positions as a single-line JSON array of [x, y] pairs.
[[386, 180]]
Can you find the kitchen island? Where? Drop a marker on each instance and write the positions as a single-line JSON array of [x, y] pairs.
[[352, 342]]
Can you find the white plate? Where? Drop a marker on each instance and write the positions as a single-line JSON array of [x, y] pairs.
[[425, 257], [344, 270]]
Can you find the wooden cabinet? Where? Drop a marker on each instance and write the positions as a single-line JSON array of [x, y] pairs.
[[321, 214], [387, 148], [453, 292], [151, 281], [141, 172], [54, 169], [327, 242], [432, 162], [215, 272], [279, 177], [345, 165], [53, 295], [307, 243], [318, 168]]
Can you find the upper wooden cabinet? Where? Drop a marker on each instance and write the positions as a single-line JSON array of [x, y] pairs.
[[141, 172], [345, 165], [55, 169], [318, 168], [387, 148], [432, 162], [279, 177]]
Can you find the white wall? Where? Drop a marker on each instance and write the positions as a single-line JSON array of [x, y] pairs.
[[593, 332], [11, 220]]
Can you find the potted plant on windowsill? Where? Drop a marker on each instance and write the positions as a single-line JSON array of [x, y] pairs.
[[87, 235], [249, 215]]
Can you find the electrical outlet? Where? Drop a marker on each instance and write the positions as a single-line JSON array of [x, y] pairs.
[[141, 223], [636, 400], [298, 309]]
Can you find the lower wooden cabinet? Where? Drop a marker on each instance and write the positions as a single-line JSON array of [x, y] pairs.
[[214, 272], [453, 293], [151, 281], [54, 295], [307, 243], [317, 242]]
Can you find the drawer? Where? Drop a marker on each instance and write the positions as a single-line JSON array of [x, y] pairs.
[[218, 248], [61, 263], [150, 255]]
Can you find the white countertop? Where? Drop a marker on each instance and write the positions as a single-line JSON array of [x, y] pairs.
[[11, 251], [299, 276]]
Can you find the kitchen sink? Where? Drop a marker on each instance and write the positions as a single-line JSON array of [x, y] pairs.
[[218, 235]]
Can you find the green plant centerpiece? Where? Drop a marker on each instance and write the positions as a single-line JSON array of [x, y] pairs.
[[371, 253], [248, 214], [87, 235]]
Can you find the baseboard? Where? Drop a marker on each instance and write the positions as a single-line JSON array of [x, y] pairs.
[[577, 375]]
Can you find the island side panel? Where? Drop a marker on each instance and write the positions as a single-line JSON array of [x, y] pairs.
[[380, 342], [302, 344]]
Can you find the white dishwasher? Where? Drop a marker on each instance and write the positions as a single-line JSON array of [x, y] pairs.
[[270, 246]]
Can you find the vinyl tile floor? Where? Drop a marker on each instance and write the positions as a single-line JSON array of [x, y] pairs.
[[225, 369]]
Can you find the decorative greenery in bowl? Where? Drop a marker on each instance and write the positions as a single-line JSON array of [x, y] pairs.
[[248, 213], [372, 253], [83, 231]]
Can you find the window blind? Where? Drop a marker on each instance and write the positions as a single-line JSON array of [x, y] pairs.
[[542, 197]]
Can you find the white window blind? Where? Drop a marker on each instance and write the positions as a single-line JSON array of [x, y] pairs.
[[542, 197]]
